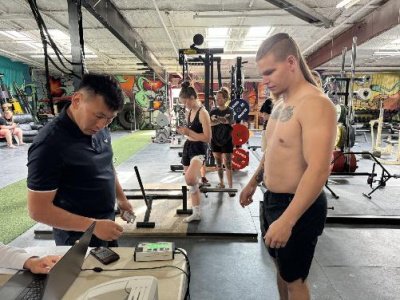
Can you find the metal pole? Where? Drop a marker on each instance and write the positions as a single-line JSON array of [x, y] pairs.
[[207, 81]]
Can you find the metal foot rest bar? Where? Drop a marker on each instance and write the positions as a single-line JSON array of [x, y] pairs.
[[205, 190], [149, 198]]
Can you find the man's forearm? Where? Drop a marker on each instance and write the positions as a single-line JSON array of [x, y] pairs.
[[258, 176], [62, 219], [119, 190]]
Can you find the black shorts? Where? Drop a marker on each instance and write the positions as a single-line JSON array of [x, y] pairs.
[[294, 260], [192, 149], [227, 148]]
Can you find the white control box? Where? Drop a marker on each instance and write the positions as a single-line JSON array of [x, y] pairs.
[[154, 251]]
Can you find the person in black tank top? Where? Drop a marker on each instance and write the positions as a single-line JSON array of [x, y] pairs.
[[198, 134], [221, 142]]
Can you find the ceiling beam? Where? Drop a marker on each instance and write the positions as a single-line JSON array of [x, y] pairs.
[[378, 21], [178, 10], [303, 12], [109, 15]]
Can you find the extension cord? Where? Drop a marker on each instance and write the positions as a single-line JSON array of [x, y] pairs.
[[154, 251]]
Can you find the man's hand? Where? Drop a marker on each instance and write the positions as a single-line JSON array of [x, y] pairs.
[[107, 230], [278, 233], [246, 195], [125, 205], [41, 265]]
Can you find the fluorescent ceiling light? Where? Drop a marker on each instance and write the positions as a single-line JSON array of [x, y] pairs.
[[15, 35], [66, 55], [32, 44], [234, 56], [346, 3], [217, 32], [216, 43], [394, 44], [255, 44], [387, 53], [58, 35], [259, 32]]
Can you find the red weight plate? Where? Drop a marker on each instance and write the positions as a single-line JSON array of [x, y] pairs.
[[240, 159], [344, 162], [240, 134]]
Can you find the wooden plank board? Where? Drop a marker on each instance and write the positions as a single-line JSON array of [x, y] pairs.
[[162, 185]]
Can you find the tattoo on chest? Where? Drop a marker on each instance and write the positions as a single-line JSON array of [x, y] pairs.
[[282, 114], [286, 114]]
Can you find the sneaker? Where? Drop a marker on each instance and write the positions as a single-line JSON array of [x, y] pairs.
[[191, 218], [204, 182]]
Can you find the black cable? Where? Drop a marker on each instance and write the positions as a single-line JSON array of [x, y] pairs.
[[47, 40], [99, 269], [32, 4], [187, 294], [51, 41]]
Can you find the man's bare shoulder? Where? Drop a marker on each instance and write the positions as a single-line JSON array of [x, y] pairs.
[[316, 101]]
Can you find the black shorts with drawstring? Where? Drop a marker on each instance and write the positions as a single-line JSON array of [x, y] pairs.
[[192, 149], [294, 260]]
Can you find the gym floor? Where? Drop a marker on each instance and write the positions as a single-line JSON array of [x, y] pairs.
[[351, 261]]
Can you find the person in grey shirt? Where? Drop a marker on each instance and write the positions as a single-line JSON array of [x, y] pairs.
[[17, 258]]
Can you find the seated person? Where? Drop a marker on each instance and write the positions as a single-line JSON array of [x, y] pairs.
[[7, 123], [16, 258]]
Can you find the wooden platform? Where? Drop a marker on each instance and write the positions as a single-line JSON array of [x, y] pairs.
[[218, 209]]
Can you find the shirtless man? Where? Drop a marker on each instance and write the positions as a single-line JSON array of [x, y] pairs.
[[300, 137]]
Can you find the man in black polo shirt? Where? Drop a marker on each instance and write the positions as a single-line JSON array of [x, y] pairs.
[[71, 178]]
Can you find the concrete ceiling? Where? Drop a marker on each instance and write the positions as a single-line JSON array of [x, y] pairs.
[[175, 23]]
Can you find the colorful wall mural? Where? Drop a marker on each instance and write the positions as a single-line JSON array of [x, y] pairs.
[[381, 87], [370, 93], [148, 94]]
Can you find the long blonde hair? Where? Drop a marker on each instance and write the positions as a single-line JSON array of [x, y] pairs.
[[282, 45]]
